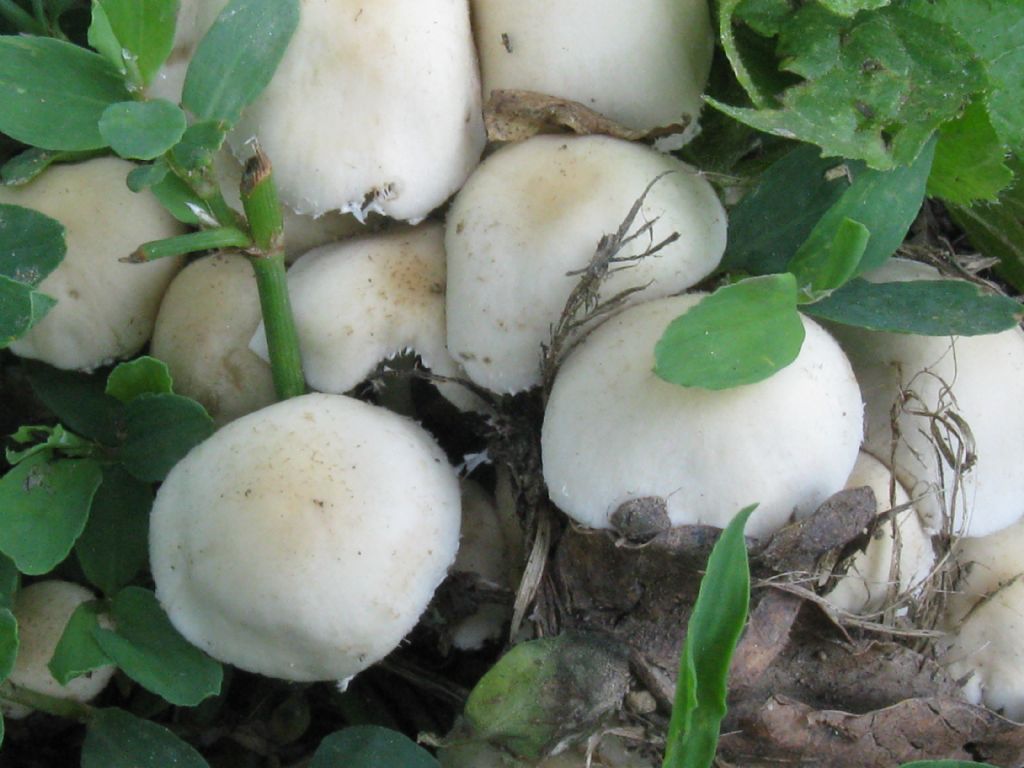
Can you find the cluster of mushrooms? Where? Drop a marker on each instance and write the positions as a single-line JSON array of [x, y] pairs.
[[304, 539]]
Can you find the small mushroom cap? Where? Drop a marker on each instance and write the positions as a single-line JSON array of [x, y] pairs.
[[105, 308], [202, 332], [865, 587], [980, 378], [533, 213], [42, 611], [613, 431], [304, 540], [644, 63]]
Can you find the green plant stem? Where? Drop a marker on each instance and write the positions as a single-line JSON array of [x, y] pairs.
[[20, 18], [67, 708], [263, 209], [206, 240]]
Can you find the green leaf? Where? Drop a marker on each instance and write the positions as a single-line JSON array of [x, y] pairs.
[[969, 160], [142, 130], [24, 167], [992, 30], [144, 375], [147, 648], [199, 144], [853, 7], [922, 307], [145, 176], [159, 430], [20, 309], [370, 746], [50, 440], [116, 739], [8, 642], [9, 581], [77, 652], [78, 400], [180, 201], [43, 508], [32, 244], [875, 87], [135, 35], [740, 334], [114, 547], [997, 230], [819, 270], [54, 93], [230, 68], [718, 618]]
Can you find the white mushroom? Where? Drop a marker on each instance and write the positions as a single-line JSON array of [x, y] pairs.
[[304, 540], [202, 332], [644, 63], [43, 610], [105, 308], [966, 376], [533, 213], [865, 586], [614, 432]]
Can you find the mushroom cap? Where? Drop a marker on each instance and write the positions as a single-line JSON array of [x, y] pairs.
[[304, 540], [42, 611], [984, 564], [105, 308], [374, 106], [865, 586], [644, 63], [202, 333], [534, 212], [613, 431], [981, 378]]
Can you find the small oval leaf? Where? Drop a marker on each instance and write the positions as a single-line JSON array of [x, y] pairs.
[[370, 746], [144, 375], [32, 244], [142, 130], [117, 739]]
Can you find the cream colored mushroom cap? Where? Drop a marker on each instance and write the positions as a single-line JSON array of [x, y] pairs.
[[105, 308], [613, 431], [43, 610], [202, 333], [980, 378], [303, 541], [534, 212], [643, 63]]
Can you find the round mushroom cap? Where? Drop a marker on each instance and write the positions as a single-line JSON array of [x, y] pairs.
[[613, 431], [865, 586], [643, 63], [43, 610], [303, 541], [202, 333], [532, 215], [980, 379], [105, 308]]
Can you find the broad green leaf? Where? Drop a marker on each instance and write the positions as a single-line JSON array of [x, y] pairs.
[[993, 30], [21, 307], [370, 746], [922, 307], [969, 160], [8, 642], [820, 269], [740, 334], [25, 166], [159, 430], [116, 739], [78, 400], [142, 130], [77, 652], [49, 440], [147, 648], [875, 87], [144, 375], [44, 506], [520, 703], [715, 625], [145, 176], [54, 93], [32, 244], [180, 201], [135, 35], [237, 57], [199, 144], [9, 581], [114, 546]]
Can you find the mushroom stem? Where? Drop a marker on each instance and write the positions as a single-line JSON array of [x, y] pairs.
[[263, 209], [53, 705]]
